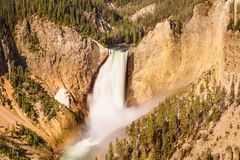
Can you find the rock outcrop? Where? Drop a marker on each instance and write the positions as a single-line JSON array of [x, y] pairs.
[[164, 61], [4, 57], [60, 58], [148, 10]]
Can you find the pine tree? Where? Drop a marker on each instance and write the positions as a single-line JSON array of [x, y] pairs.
[[134, 34], [132, 129], [143, 155], [238, 95], [151, 131], [153, 155], [135, 154], [232, 92], [127, 37], [119, 148], [110, 155]]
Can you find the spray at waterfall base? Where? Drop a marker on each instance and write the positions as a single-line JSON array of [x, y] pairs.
[[107, 108]]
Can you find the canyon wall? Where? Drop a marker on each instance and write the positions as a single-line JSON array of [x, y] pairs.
[[3, 58], [231, 66], [60, 58], [165, 61], [56, 57]]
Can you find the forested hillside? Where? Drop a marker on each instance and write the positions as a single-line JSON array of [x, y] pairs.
[[159, 134], [86, 16], [96, 18], [180, 11], [19, 143], [48, 45]]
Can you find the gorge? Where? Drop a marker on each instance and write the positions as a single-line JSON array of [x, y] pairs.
[[70, 90]]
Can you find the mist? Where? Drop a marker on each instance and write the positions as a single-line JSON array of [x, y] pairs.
[[108, 111]]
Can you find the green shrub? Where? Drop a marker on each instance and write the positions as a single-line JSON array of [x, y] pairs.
[[230, 25], [28, 92], [12, 149], [31, 136], [176, 119]]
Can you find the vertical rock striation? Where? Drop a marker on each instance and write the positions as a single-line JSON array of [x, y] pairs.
[[164, 61], [60, 58]]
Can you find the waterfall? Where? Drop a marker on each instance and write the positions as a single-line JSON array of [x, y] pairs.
[[108, 98], [110, 83], [107, 107]]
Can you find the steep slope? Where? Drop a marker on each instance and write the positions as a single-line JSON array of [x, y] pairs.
[[165, 60], [201, 68], [60, 58], [220, 140], [187, 122], [57, 57], [3, 57], [53, 57]]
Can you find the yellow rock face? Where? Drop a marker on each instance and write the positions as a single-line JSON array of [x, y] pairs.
[[164, 62], [61, 58]]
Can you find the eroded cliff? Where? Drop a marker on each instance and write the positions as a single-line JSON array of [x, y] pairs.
[[53, 57], [3, 58], [165, 61], [60, 58]]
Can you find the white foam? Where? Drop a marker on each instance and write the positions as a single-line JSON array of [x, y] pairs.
[[107, 107]]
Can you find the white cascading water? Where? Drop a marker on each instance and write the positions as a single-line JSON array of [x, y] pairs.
[[107, 107]]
